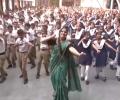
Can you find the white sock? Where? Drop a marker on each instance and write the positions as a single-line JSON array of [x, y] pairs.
[[87, 72]]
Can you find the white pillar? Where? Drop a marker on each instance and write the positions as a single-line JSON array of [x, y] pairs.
[[118, 2], [4, 6], [10, 3], [23, 3], [111, 4], [33, 2], [60, 3]]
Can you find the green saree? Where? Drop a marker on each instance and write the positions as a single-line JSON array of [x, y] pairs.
[[64, 74]]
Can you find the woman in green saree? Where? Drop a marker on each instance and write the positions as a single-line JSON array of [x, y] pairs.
[[64, 76]]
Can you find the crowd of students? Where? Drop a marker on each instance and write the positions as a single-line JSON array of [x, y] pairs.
[[95, 32]]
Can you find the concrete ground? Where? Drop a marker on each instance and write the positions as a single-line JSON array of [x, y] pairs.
[[41, 89]]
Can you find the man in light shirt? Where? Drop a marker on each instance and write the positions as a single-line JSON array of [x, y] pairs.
[[30, 29], [2, 58], [44, 52], [24, 47], [11, 52]]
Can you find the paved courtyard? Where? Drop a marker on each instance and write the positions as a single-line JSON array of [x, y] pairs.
[[41, 89]]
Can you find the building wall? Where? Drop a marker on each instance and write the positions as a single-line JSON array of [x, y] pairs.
[[29, 2], [68, 2], [93, 3], [85, 3]]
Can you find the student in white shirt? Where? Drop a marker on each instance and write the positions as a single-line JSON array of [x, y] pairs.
[[100, 53], [2, 58], [11, 52], [24, 47], [44, 52], [30, 34], [118, 55]]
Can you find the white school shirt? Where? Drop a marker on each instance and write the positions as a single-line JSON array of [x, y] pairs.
[[99, 46], [43, 44], [23, 44], [79, 34], [1, 29], [92, 31], [56, 32], [31, 34], [11, 38], [15, 32], [109, 32], [2, 45], [86, 45], [9, 21]]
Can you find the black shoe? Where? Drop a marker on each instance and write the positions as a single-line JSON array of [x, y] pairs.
[[82, 79], [2, 80], [104, 79], [47, 73], [118, 78], [14, 65], [25, 81], [94, 66], [33, 66], [97, 77], [21, 76], [87, 82], [29, 62], [37, 76], [9, 66], [6, 74], [112, 67]]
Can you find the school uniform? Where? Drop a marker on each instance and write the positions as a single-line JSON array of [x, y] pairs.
[[110, 34], [86, 48], [78, 36], [11, 51], [86, 60], [32, 53], [92, 31], [44, 55], [23, 48], [72, 30], [100, 59], [2, 59], [118, 61], [111, 53]]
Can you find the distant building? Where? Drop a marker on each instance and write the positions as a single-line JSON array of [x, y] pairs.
[[28, 2], [44, 3], [94, 3], [112, 4], [12, 4]]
